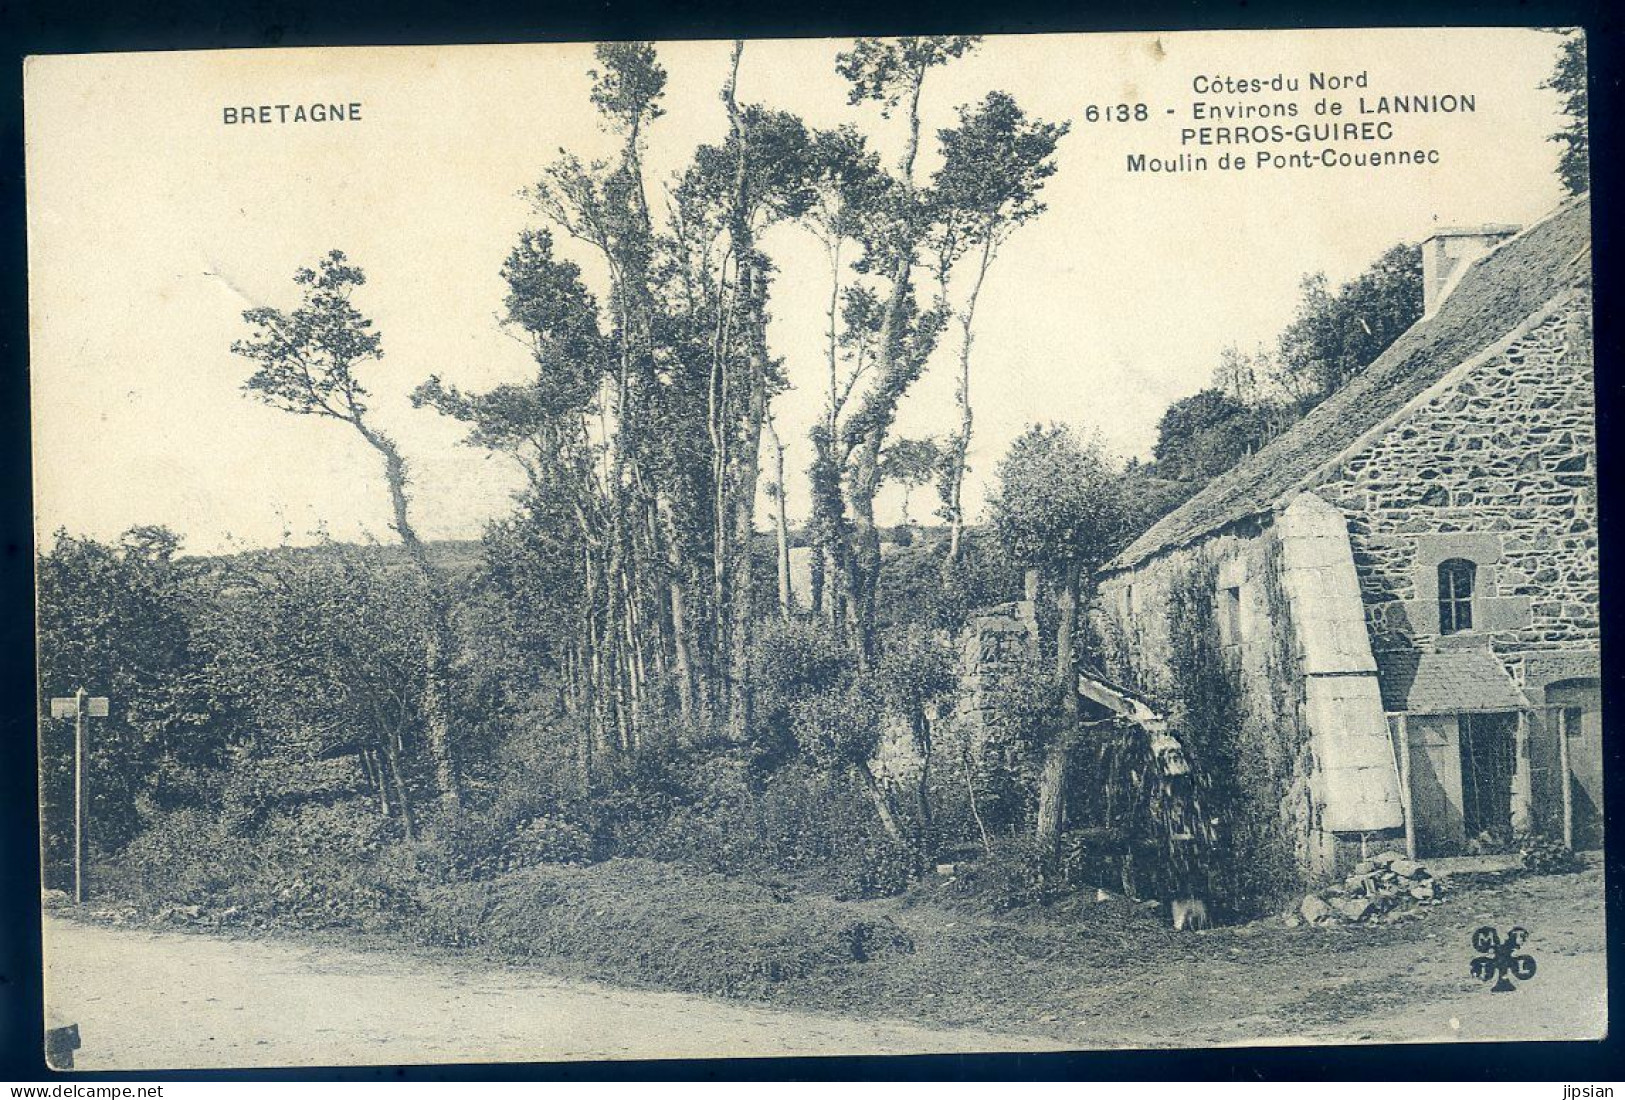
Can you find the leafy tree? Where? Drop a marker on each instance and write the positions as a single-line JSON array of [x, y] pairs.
[[1241, 376], [1202, 436], [1254, 398], [912, 592], [547, 565], [113, 620], [1334, 336], [1569, 79], [811, 700], [306, 363], [839, 730], [994, 163], [846, 180], [789, 661], [648, 410], [910, 463], [628, 89], [324, 652], [1058, 508], [532, 611], [890, 72], [771, 176], [605, 205]]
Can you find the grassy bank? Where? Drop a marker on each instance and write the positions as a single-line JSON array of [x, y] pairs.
[[945, 953]]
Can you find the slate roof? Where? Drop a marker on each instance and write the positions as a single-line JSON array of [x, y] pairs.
[[1451, 682], [1496, 294]]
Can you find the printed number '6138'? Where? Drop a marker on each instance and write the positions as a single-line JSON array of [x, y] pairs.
[[1116, 112]]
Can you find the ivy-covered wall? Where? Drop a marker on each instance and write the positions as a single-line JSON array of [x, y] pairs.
[[1206, 632]]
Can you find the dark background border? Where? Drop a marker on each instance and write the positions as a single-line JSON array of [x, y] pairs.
[[46, 27]]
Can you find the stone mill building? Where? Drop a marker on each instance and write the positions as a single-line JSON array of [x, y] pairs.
[[1400, 593]]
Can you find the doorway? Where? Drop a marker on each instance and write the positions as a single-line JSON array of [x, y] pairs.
[[1574, 710], [1488, 759]]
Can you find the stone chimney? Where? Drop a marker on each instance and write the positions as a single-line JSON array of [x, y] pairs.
[[1446, 255]]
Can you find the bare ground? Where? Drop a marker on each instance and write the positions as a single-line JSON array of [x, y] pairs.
[[146, 998]]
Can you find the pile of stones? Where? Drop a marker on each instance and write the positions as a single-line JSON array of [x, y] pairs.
[[1383, 888]]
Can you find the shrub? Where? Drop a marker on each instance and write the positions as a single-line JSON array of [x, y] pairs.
[[1544, 855], [816, 826], [1019, 874], [477, 842], [181, 857], [677, 803], [789, 663], [838, 728], [313, 866], [546, 839], [317, 866], [916, 670], [881, 869]]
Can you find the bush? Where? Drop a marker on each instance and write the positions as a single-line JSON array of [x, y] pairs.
[[822, 829], [838, 728], [480, 841], [1018, 875], [546, 839], [789, 663], [881, 869], [181, 857], [917, 670], [716, 811], [1543, 855], [681, 804], [313, 866]]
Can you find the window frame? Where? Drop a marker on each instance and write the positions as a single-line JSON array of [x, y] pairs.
[[1455, 605]]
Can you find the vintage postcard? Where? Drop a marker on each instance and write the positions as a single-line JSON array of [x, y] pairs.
[[652, 550]]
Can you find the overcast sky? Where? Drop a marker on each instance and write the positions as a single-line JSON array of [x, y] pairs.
[[153, 226]]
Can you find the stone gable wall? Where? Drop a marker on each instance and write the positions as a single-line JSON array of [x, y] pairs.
[[1133, 619], [1499, 469]]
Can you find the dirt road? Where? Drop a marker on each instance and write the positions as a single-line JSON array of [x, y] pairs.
[[146, 999]]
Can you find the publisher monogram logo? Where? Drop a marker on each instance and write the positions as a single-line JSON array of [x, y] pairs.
[[1498, 961]]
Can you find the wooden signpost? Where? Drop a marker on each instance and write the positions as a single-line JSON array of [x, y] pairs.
[[79, 706]]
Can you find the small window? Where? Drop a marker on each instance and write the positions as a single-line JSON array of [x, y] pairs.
[[1456, 578], [1230, 616]]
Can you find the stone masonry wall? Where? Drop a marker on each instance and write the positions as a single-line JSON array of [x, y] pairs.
[[996, 642], [1497, 469], [1133, 619]]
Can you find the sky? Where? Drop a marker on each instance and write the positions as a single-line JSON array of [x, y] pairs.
[[153, 225]]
